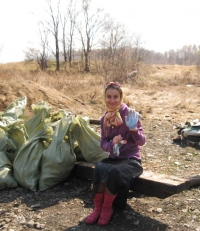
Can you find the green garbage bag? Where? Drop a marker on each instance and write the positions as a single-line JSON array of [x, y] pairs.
[[27, 163], [6, 177], [13, 112], [77, 151], [58, 159], [6, 144], [88, 140], [41, 112], [57, 115], [17, 133], [13, 126]]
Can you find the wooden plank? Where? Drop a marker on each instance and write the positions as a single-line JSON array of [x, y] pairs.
[[84, 169], [194, 180], [150, 183], [94, 121], [159, 185]]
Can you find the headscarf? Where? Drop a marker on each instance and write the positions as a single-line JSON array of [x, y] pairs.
[[113, 117]]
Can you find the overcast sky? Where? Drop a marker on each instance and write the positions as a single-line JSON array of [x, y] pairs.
[[162, 24]]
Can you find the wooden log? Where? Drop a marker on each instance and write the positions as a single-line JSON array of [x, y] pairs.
[[94, 121], [159, 185], [194, 180], [84, 169], [149, 183]]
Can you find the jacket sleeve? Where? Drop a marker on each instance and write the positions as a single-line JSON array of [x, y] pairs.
[[106, 143], [138, 135]]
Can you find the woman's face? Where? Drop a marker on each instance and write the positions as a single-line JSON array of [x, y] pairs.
[[112, 98]]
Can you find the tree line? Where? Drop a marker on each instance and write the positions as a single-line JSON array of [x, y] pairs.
[[187, 55], [81, 33]]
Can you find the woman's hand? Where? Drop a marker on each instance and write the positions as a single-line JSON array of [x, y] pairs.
[[118, 142], [132, 119], [117, 145], [117, 139]]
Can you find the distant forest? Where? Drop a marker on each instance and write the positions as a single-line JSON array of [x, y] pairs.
[[188, 55]]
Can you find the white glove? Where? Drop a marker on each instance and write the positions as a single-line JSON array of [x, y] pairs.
[[132, 119]]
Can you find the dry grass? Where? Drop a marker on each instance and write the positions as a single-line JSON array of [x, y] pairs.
[[156, 76], [154, 88]]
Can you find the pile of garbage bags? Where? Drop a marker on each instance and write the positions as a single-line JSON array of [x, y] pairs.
[[41, 152]]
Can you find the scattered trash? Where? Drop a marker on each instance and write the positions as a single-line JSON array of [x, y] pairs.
[[35, 206], [159, 210], [188, 133]]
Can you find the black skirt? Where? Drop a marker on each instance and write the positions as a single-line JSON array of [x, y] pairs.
[[117, 175]]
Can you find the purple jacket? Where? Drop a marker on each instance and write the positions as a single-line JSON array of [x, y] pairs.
[[134, 139]]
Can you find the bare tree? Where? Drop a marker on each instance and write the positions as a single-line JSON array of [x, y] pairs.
[[92, 23], [68, 38], [114, 53], [138, 52], [72, 19], [114, 34], [64, 43], [54, 29], [41, 56]]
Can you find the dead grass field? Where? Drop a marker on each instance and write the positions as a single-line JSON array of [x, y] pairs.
[[158, 91]]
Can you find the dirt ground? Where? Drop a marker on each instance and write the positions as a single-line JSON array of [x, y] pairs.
[[65, 206]]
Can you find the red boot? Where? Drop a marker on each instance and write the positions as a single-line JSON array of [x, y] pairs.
[[98, 202], [107, 209]]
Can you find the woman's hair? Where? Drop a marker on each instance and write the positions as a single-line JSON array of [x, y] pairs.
[[114, 85]]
